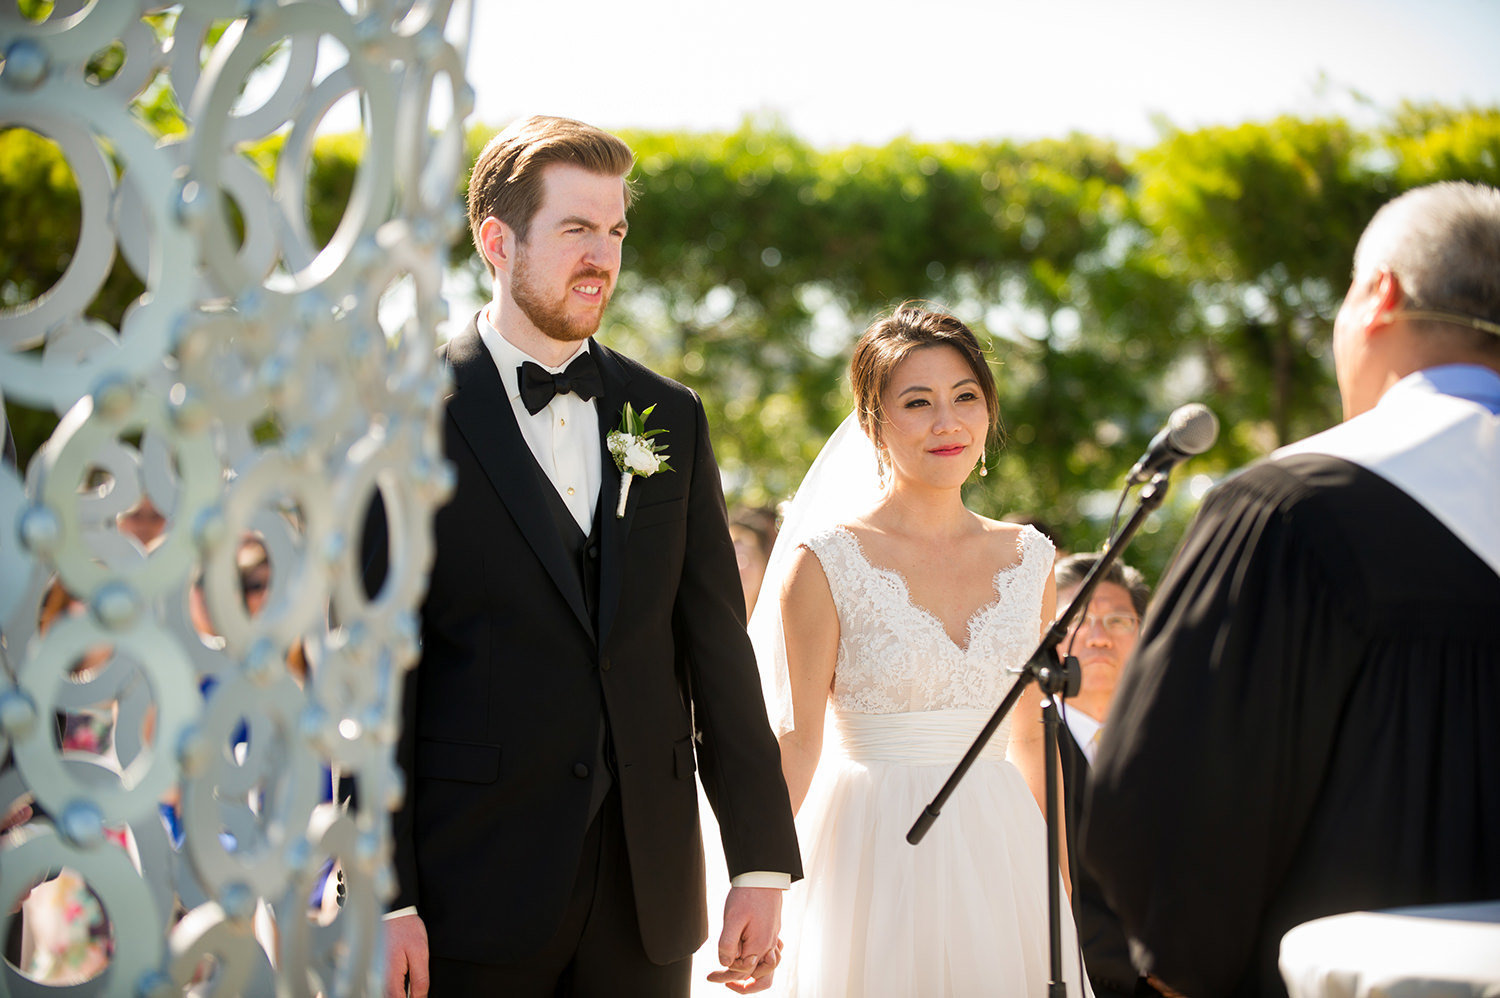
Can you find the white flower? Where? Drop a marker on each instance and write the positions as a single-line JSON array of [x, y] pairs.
[[639, 458], [634, 451]]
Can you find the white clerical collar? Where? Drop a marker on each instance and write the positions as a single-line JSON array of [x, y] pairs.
[[1441, 449], [508, 357]]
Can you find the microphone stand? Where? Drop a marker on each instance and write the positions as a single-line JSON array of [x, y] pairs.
[[1054, 679]]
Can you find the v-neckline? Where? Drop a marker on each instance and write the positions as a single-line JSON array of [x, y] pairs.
[[973, 618]]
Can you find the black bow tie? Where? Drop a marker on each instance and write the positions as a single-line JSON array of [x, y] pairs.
[[539, 385]]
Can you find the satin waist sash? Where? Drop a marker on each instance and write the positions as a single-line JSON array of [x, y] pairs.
[[915, 738]]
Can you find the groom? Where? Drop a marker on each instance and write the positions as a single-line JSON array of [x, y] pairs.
[[583, 652]]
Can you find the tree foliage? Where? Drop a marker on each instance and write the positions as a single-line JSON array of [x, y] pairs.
[[1111, 284]]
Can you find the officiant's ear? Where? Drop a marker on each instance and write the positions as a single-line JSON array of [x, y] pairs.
[[497, 241], [1384, 299]]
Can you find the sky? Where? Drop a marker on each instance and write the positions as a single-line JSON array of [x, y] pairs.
[[866, 72]]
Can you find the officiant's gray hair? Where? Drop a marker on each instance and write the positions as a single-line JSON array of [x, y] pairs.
[[1442, 242], [888, 341]]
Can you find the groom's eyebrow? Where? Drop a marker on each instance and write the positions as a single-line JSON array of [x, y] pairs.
[[579, 221]]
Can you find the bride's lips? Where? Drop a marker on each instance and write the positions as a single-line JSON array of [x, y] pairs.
[[953, 451]]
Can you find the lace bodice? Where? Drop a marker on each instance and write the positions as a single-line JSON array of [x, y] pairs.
[[895, 656]]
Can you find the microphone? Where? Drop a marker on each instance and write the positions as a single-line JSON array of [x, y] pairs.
[[1191, 429]]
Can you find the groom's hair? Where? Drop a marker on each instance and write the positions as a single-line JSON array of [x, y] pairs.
[[890, 338], [507, 179]]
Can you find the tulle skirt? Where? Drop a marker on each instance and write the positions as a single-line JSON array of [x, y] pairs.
[[962, 913]]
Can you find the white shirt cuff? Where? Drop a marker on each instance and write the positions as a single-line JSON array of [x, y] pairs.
[[410, 909], [761, 878]]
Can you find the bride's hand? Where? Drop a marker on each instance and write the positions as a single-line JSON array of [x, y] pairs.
[[1163, 987], [758, 980]]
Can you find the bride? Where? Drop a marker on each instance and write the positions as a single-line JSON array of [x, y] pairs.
[[901, 617]]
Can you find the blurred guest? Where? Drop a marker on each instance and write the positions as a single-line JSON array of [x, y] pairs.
[[753, 530], [88, 729], [65, 937], [1309, 724], [143, 521], [1102, 638], [254, 564]]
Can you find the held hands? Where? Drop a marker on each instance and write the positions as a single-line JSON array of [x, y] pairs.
[[405, 957], [749, 947], [1163, 987]]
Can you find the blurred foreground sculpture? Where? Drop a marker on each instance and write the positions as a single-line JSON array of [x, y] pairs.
[[256, 396]]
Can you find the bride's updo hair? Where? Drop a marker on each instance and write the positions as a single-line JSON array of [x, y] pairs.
[[889, 340]]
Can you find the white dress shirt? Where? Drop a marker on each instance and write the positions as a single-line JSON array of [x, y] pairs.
[[563, 437], [1086, 731]]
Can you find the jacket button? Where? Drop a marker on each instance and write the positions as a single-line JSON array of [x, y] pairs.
[[604, 663], [580, 770]]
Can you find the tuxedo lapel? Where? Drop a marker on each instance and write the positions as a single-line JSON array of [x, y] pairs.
[[482, 412], [613, 530], [1076, 775]]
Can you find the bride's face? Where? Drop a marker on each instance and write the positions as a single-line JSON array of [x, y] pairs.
[[935, 418]]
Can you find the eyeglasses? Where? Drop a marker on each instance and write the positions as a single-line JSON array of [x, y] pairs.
[[1114, 623]]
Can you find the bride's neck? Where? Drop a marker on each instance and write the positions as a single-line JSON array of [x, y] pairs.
[[923, 512]]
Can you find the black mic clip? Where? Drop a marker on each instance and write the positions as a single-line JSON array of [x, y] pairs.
[[1063, 678]]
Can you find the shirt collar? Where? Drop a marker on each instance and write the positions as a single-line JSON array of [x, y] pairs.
[[508, 357], [1471, 382], [1082, 725]]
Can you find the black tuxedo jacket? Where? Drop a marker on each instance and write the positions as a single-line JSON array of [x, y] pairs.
[[502, 714], [1106, 954]]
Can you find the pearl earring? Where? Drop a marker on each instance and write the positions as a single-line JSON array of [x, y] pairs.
[[984, 469]]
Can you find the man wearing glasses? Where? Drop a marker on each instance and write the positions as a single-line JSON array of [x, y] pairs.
[[1101, 638]]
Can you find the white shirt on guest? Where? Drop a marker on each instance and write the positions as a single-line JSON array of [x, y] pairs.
[[563, 437], [1086, 731]]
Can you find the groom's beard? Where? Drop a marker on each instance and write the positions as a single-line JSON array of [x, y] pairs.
[[551, 316]]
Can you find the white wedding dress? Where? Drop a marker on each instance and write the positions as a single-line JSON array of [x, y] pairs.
[[965, 911]]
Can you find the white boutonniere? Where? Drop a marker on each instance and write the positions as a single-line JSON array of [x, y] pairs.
[[635, 452]]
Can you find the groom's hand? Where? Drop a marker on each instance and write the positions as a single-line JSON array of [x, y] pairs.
[[749, 948], [405, 956]]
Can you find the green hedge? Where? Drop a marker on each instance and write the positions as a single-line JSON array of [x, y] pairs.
[[1113, 284]]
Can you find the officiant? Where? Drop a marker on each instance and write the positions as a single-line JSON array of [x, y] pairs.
[[1308, 726]]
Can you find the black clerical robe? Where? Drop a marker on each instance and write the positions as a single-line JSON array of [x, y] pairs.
[[1311, 725]]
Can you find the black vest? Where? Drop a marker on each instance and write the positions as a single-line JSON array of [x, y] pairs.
[[583, 555], [582, 551]]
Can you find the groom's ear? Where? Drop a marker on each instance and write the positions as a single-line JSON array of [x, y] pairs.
[[497, 241]]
